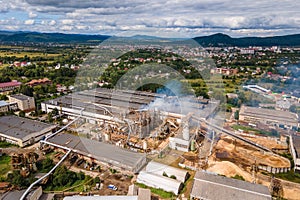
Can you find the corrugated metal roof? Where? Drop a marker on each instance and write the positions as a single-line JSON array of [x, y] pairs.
[[22, 128], [279, 115], [296, 142], [3, 103], [99, 150], [160, 169], [21, 97], [159, 182], [215, 187]]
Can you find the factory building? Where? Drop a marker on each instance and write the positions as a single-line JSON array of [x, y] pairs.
[[183, 139], [106, 106], [106, 154], [7, 87], [23, 131], [278, 118], [295, 151], [214, 187]]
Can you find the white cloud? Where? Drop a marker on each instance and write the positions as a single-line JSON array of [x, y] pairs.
[[29, 22], [66, 28], [32, 15], [52, 23], [67, 21], [156, 17]]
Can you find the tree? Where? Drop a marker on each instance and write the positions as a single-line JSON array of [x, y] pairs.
[[26, 90], [15, 178], [293, 108], [236, 115], [50, 115], [3, 97], [173, 177], [81, 175], [55, 111], [97, 180], [22, 113]]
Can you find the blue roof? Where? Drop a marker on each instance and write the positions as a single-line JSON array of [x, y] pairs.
[[3, 103]]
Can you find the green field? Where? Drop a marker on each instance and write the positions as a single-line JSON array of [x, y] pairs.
[[28, 54], [4, 165], [4, 144], [246, 128], [163, 194]]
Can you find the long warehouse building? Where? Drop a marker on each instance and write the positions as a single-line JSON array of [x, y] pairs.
[[279, 118], [102, 105], [23, 131], [104, 153], [295, 151]]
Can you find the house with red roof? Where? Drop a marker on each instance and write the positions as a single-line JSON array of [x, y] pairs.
[[35, 82], [9, 86]]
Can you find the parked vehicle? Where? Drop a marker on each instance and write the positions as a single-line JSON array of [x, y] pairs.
[[112, 187]]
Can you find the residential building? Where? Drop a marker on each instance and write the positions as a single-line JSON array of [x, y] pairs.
[[25, 103], [247, 51], [23, 131], [214, 187], [5, 107], [224, 71], [35, 82], [7, 87]]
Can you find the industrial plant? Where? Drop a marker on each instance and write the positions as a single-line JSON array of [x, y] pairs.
[[139, 121]]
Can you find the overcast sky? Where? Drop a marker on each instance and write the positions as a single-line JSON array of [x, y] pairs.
[[175, 18]]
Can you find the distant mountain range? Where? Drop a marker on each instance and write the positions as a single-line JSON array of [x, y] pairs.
[[36, 37], [222, 40], [216, 40]]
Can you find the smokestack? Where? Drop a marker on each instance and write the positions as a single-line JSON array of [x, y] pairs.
[[185, 131]]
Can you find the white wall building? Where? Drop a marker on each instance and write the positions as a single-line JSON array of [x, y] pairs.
[[159, 182], [159, 169]]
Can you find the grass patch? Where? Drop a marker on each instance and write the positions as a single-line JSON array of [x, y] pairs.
[[4, 165], [261, 132], [238, 177], [289, 176], [4, 144], [163, 194], [77, 186], [188, 185], [28, 54]]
